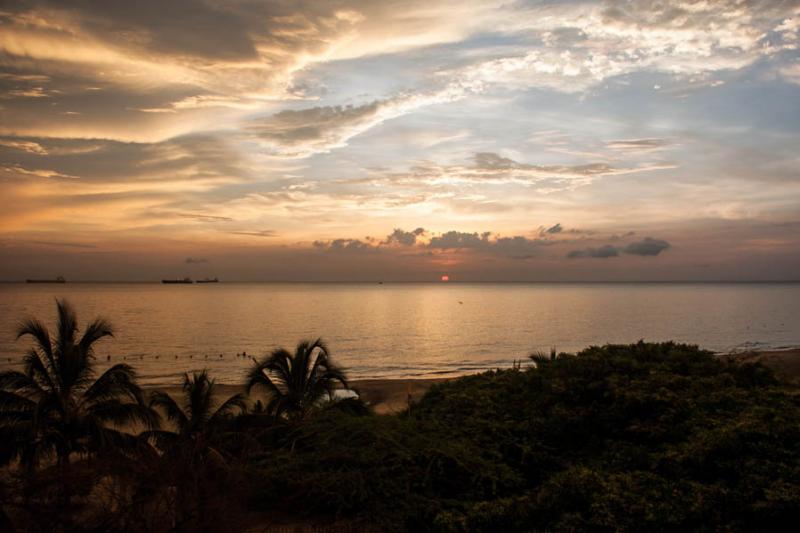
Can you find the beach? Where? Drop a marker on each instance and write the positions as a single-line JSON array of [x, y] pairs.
[[785, 363], [384, 396]]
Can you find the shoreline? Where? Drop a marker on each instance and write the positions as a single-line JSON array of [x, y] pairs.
[[385, 396], [391, 395]]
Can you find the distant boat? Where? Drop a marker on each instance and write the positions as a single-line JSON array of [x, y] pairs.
[[208, 280], [59, 279], [172, 281]]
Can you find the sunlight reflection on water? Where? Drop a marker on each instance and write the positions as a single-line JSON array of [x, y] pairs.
[[400, 330]]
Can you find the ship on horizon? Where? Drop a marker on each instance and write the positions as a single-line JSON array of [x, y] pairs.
[[178, 281], [208, 280], [59, 279]]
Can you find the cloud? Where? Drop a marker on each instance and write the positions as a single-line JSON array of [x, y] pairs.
[[404, 238], [260, 233], [514, 247], [457, 240], [601, 252], [791, 73], [638, 145], [210, 63], [554, 229], [195, 260], [25, 146], [60, 243], [204, 218], [517, 247], [489, 168], [35, 172], [344, 246], [304, 132], [646, 247]]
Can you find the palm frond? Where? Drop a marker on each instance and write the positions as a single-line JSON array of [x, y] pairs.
[[38, 372], [257, 376], [171, 409], [95, 331], [41, 335], [47, 366], [17, 382], [117, 381], [161, 439], [235, 402], [120, 413], [11, 402], [198, 390], [67, 327]]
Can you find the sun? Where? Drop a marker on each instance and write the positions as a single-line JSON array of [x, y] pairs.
[[445, 277]]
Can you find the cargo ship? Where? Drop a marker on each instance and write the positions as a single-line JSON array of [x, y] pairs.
[[59, 279], [180, 281], [208, 280]]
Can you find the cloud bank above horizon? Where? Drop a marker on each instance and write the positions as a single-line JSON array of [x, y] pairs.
[[355, 140]]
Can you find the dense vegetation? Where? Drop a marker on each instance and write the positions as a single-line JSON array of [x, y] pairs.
[[657, 437], [642, 437]]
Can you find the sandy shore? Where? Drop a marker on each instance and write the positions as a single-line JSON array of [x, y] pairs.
[[383, 395], [786, 363], [391, 395]]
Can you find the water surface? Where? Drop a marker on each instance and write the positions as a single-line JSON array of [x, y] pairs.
[[400, 330]]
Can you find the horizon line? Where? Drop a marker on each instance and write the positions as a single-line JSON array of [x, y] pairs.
[[433, 282]]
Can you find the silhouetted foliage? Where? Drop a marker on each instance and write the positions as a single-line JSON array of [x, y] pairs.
[[194, 462], [662, 437], [296, 383], [56, 407]]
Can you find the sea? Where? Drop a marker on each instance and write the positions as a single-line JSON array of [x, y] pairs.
[[398, 330]]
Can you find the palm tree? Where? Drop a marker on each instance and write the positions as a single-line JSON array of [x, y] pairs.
[[197, 423], [55, 407], [192, 462], [541, 359], [296, 384]]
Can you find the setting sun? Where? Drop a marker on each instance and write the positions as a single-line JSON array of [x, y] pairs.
[[445, 278]]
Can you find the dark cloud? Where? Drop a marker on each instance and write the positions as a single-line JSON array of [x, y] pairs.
[[304, 131], [262, 233], [453, 240], [179, 27], [495, 162], [404, 238], [344, 245], [195, 260], [67, 244], [516, 247], [647, 246], [638, 145], [204, 218], [554, 229], [601, 252]]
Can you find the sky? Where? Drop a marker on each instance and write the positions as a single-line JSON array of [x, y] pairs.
[[328, 140]]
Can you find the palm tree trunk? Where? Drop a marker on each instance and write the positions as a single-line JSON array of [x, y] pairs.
[[64, 481]]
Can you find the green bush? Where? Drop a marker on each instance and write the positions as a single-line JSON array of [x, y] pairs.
[[661, 437]]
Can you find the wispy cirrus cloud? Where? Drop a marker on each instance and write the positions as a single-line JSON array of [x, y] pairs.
[[489, 168]]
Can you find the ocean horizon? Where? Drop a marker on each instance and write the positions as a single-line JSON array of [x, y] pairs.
[[401, 329]]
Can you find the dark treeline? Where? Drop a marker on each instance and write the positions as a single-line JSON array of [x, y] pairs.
[[656, 437]]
